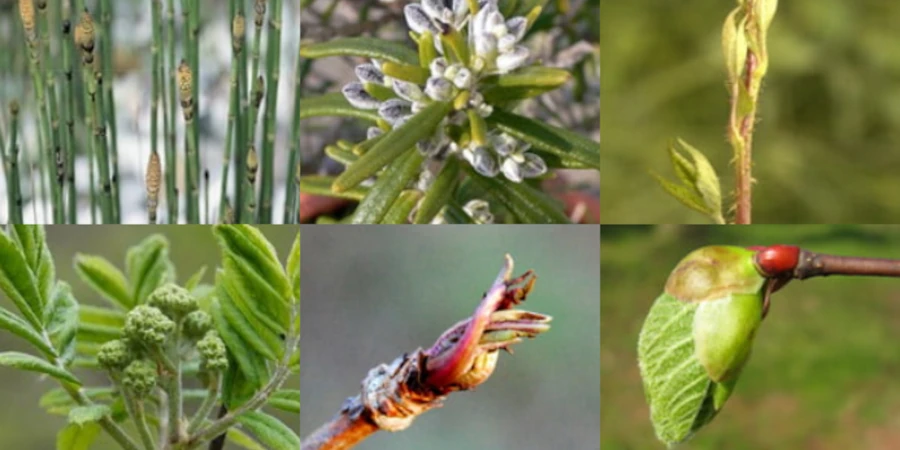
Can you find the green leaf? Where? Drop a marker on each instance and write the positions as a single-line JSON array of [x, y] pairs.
[[362, 46], [699, 188], [31, 239], [75, 437], [334, 104], [321, 185], [454, 214], [195, 279], [269, 430], [400, 211], [388, 186], [525, 202], [24, 361], [248, 321], [61, 319], [104, 278], [293, 267], [249, 362], [15, 325], [341, 155], [567, 145], [439, 193], [58, 401], [148, 267], [18, 282], [243, 440], [254, 274], [239, 385], [525, 83], [286, 400], [393, 144], [83, 415]]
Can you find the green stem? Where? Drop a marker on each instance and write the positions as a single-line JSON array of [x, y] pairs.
[[171, 156], [241, 119], [273, 65], [155, 95], [56, 165], [173, 391], [232, 113], [208, 404], [292, 194], [68, 98], [13, 187], [109, 104], [95, 91]]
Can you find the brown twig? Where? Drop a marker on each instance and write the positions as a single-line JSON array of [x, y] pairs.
[[813, 264], [393, 395]]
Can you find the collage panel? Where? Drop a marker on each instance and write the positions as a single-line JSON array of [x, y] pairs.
[[149, 111], [383, 347], [450, 111], [751, 111], [759, 337], [149, 337]]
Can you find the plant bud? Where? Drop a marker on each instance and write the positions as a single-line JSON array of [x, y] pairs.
[[140, 377], [174, 301], [148, 325]]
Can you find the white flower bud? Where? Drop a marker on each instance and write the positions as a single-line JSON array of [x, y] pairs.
[[479, 210], [511, 170], [463, 79], [485, 45], [358, 97], [452, 70], [506, 43], [418, 19], [408, 91], [438, 66], [510, 61], [373, 132], [437, 11], [533, 166], [516, 27], [439, 89], [368, 73], [482, 161], [394, 109]]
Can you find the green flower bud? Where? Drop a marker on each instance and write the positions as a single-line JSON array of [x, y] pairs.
[[148, 325], [115, 354], [140, 377], [173, 300], [212, 352], [196, 324]]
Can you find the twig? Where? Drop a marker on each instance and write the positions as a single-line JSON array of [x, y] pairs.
[[393, 395]]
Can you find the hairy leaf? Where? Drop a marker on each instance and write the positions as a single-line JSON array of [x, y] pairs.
[[195, 279], [286, 400], [293, 267], [379, 49], [33, 243], [269, 430], [82, 415], [247, 369], [248, 321], [61, 319], [104, 278], [24, 361], [18, 282], [15, 325], [148, 267], [77, 437], [699, 188]]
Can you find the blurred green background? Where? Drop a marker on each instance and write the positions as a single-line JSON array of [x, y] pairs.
[[23, 424], [824, 368], [372, 293], [827, 143]]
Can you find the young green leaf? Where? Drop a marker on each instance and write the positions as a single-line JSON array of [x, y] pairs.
[[249, 361], [104, 278], [243, 379], [362, 46], [15, 325], [33, 243], [400, 211], [393, 144], [58, 400], [697, 338], [254, 274], [61, 321], [563, 143], [293, 267], [83, 415], [24, 361], [321, 185], [439, 193], [77, 437], [148, 267], [525, 202], [256, 329], [286, 400], [18, 282], [195, 279], [525, 83], [700, 189], [243, 440], [272, 432], [388, 187], [334, 104]]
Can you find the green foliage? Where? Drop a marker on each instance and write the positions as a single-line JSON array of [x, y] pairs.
[[699, 188], [155, 334]]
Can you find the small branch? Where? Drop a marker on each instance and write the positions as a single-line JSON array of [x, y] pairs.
[[813, 264], [393, 395], [208, 403]]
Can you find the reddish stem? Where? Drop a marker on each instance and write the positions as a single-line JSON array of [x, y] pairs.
[[813, 264], [341, 432]]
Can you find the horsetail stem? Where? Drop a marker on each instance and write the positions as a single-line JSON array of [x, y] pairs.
[[56, 159], [241, 118], [259, 87], [237, 31], [185, 79], [154, 106], [109, 104], [153, 180], [13, 187], [273, 63], [252, 167], [69, 141], [291, 204]]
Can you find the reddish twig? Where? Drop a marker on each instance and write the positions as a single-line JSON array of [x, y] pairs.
[[393, 395]]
